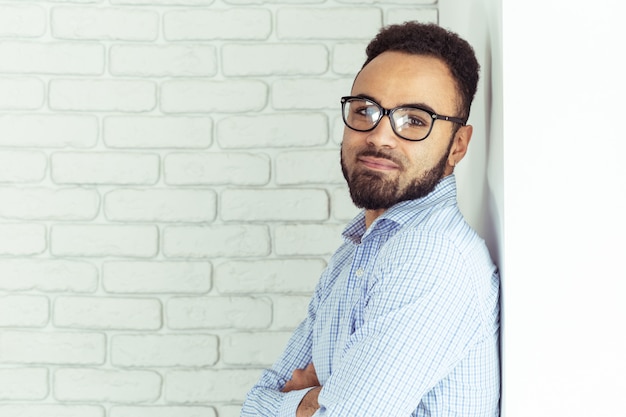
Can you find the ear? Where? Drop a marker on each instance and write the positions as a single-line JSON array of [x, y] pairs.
[[460, 142]]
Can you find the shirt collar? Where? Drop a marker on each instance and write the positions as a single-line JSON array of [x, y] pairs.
[[399, 214]]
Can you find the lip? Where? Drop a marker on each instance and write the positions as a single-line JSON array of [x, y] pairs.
[[379, 164]]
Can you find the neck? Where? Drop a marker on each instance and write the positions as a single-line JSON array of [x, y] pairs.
[[371, 215]]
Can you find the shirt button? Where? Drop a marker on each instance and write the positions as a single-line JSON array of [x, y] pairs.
[[359, 272]]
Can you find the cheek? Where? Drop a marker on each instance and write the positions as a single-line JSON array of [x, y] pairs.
[[421, 160], [349, 136], [350, 142]]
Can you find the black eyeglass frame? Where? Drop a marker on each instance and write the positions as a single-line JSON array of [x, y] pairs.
[[389, 112]]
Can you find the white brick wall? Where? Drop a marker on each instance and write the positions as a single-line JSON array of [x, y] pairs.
[[169, 193]]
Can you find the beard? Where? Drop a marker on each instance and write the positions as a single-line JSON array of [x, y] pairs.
[[370, 190]]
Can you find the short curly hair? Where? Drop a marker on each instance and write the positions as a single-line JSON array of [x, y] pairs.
[[432, 40]]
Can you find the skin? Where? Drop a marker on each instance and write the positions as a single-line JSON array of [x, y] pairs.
[[301, 379], [394, 79]]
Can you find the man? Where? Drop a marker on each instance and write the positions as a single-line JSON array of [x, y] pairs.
[[404, 320]]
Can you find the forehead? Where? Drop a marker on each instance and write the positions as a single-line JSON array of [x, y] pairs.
[[397, 78]]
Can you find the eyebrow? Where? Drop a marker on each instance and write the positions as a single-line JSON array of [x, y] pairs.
[[423, 106]]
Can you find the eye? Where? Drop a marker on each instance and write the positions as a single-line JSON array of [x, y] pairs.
[[415, 121], [413, 118], [360, 109], [365, 109]]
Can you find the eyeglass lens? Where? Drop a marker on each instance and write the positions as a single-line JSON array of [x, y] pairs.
[[407, 122]]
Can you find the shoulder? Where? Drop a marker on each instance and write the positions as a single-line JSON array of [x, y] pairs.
[[443, 259], [441, 235], [441, 250], [422, 256]]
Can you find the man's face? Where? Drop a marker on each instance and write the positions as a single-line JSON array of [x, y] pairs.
[[381, 168]]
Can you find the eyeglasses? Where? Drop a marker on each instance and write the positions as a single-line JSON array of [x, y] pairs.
[[408, 122]]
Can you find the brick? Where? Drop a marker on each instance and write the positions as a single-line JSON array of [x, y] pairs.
[[216, 241], [21, 93], [401, 15], [164, 350], [105, 168], [107, 313], [309, 167], [104, 23], [104, 240], [100, 385], [157, 132], [22, 21], [23, 384], [162, 411], [348, 58], [312, 239], [230, 96], [52, 348], [274, 59], [342, 206], [163, 61], [156, 277], [289, 311], [160, 205], [49, 131], [51, 58], [267, 2], [396, 2], [165, 2], [337, 129], [47, 275], [274, 205], [243, 3], [50, 410], [273, 131], [23, 311], [235, 23], [317, 94], [283, 276], [328, 23], [22, 239], [22, 166], [256, 349], [207, 386], [229, 410], [216, 169], [218, 313], [102, 95], [49, 203]]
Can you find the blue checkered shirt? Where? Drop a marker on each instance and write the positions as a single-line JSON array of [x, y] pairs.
[[403, 322]]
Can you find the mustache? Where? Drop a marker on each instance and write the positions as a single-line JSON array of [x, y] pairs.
[[377, 153]]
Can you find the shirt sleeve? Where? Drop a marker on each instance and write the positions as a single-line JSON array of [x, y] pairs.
[[265, 399], [420, 319]]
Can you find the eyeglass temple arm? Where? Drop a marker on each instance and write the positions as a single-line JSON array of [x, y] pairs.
[[449, 119]]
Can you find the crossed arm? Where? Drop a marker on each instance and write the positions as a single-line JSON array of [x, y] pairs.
[[413, 333]]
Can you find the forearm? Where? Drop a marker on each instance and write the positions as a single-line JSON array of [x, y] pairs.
[[309, 405], [301, 401], [269, 397], [261, 402], [266, 397], [265, 402]]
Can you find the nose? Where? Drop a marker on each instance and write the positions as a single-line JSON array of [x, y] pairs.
[[383, 135]]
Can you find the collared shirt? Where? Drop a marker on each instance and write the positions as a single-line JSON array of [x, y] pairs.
[[403, 322]]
